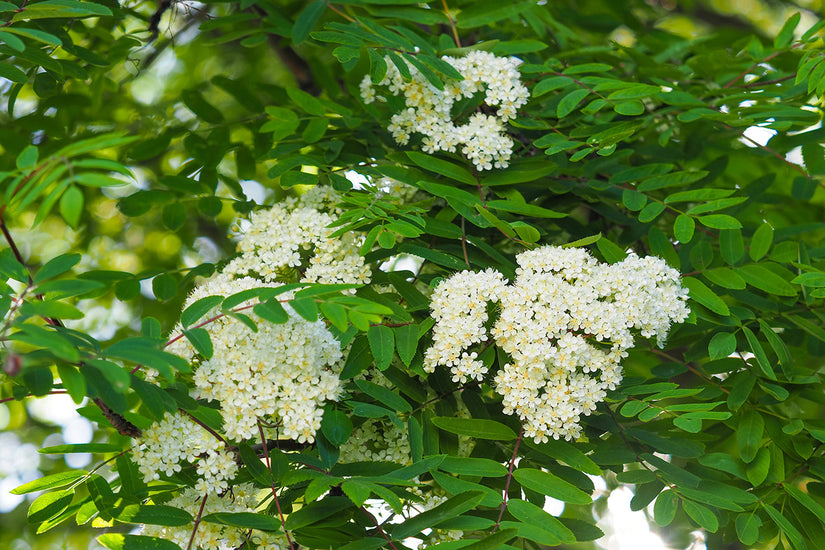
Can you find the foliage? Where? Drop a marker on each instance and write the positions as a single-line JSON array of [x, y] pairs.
[[133, 136]]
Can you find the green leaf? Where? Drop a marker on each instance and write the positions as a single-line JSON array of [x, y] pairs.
[[683, 228], [705, 296], [761, 242], [196, 103], [40, 36], [200, 339], [336, 426], [633, 200], [475, 427], [244, 520], [442, 167], [53, 481], [483, 467], [785, 35], [747, 528], [50, 340], [570, 101], [406, 342], [794, 536], [494, 541], [524, 209], [56, 266], [385, 396], [531, 514], [382, 344], [155, 514], [749, 434], [811, 279], [664, 510], [378, 66], [317, 511], [731, 245], [805, 500], [164, 286], [116, 541], [651, 212], [759, 352], [551, 485], [48, 505], [670, 179], [702, 515], [198, 309], [720, 221], [757, 275], [450, 508], [71, 206], [254, 465], [81, 448], [811, 328], [62, 8], [93, 179], [10, 72], [722, 344]]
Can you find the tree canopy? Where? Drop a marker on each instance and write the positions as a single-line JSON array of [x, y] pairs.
[[395, 274]]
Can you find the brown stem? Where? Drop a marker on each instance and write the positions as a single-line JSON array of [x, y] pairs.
[[509, 478], [197, 522], [464, 242], [272, 484], [380, 529], [452, 23], [215, 434], [53, 392], [749, 69], [339, 12], [118, 422]]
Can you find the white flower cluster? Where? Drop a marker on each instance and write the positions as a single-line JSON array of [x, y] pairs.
[[177, 438], [285, 235], [567, 323], [374, 441], [215, 536], [283, 372], [459, 307], [428, 109]]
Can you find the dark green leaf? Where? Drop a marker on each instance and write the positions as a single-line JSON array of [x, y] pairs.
[[475, 427], [551, 485]]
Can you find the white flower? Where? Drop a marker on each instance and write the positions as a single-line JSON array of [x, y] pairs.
[[428, 109], [566, 321]]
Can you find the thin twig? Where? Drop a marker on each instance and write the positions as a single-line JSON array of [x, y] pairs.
[[452, 23], [380, 529], [197, 522], [749, 69], [464, 242], [272, 484], [509, 477], [205, 427], [339, 12]]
